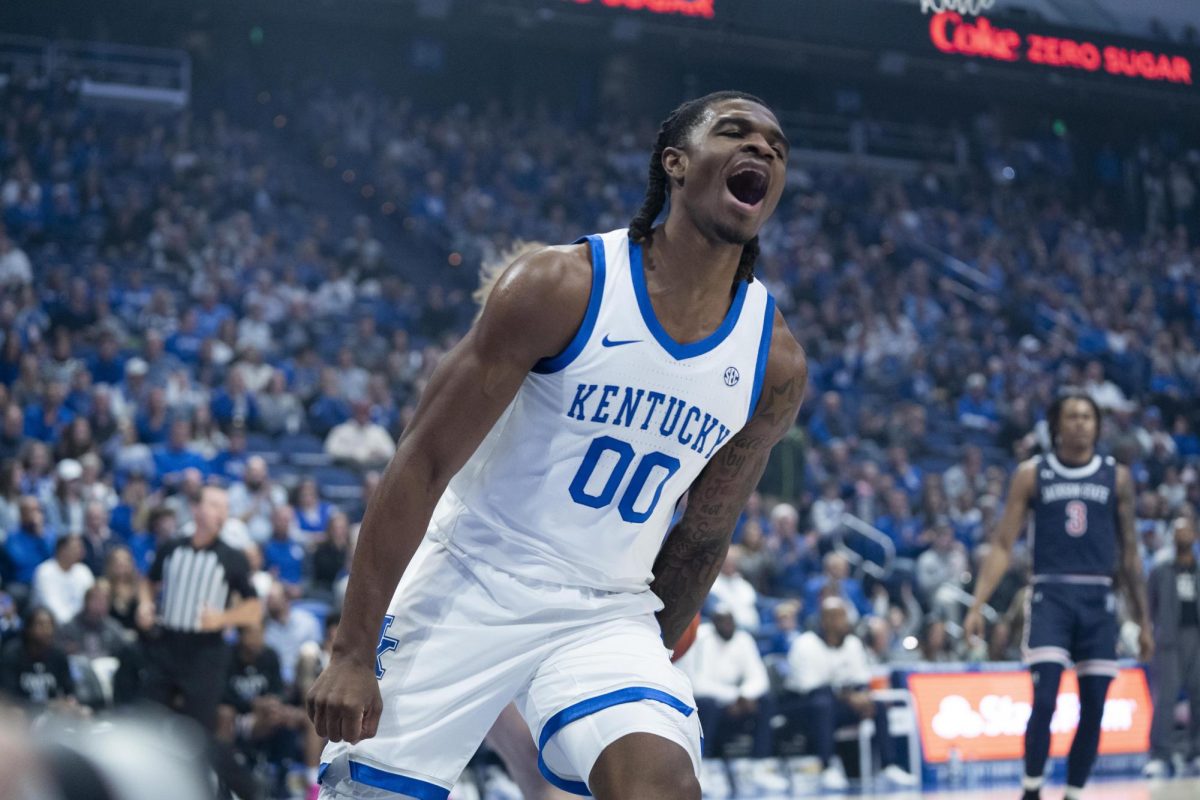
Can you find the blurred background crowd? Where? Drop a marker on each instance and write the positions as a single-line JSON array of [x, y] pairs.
[[210, 297]]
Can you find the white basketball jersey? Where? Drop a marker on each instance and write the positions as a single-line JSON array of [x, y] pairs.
[[578, 480]]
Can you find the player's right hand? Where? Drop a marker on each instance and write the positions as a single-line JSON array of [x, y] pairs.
[[973, 624], [344, 703]]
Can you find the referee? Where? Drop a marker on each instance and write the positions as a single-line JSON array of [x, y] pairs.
[[205, 587]]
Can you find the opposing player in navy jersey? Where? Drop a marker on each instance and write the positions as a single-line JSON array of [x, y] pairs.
[[518, 548], [1083, 542]]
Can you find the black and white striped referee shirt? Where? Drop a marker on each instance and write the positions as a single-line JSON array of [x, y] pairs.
[[197, 578]]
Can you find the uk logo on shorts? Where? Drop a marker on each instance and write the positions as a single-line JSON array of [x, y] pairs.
[[386, 645], [732, 376]]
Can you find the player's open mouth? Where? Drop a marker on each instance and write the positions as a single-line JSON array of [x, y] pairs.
[[748, 186]]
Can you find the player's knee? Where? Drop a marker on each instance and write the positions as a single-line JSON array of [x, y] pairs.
[[1046, 677], [644, 768]]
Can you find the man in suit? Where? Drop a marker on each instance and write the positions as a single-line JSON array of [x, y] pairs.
[[1174, 597]]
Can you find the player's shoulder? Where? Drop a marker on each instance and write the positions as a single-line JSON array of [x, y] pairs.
[[544, 289], [786, 370], [1031, 464], [1026, 473], [554, 272]]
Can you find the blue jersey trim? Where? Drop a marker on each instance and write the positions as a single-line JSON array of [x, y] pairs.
[[677, 350], [390, 781], [588, 707], [577, 343], [764, 347]]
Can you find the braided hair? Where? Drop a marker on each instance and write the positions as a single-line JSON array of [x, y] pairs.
[[674, 132], [1054, 413]]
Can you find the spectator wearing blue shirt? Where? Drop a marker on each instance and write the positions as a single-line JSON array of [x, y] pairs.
[[172, 458], [976, 411], [796, 556], [160, 364], [211, 313], [162, 527], [108, 365], [784, 630], [44, 421], [154, 421], [283, 556], [329, 409], [312, 513], [234, 404], [29, 545], [186, 341], [835, 581], [900, 525], [1187, 444], [79, 395], [831, 420], [123, 519], [908, 477], [230, 463]]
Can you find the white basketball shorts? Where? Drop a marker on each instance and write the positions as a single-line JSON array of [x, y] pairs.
[[462, 639]]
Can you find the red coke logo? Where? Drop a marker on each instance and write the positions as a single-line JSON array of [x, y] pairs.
[[951, 34]]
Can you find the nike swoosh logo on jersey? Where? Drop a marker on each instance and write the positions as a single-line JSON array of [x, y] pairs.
[[617, 342]]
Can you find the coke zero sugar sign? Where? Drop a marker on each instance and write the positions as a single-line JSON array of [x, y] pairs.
[[954, 34]]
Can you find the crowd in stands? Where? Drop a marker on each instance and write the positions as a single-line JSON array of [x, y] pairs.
[[174, 314]]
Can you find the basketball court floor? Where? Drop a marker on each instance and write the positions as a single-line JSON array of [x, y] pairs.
[[1186, 789]]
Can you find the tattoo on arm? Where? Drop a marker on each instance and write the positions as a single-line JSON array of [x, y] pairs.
[[691, 557]]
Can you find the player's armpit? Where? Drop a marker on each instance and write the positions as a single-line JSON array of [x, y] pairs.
[[533, 312], [691, 557]]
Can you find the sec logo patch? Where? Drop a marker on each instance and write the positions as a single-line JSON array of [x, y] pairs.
[[732, 376]]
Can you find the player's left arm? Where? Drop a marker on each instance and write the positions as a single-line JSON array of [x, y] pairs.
[[1129, 572], [690, 559]]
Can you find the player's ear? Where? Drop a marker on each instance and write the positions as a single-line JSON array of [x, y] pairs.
[[674, 161]]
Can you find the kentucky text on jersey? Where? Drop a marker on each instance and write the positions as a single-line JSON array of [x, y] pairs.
[[1075, 491], [670, 416]]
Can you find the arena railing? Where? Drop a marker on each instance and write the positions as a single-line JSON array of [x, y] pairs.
[[879, 571], [149, 76]]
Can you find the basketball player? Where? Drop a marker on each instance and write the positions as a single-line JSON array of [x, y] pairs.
[[509, 736], [1083, 536], [528, 503]]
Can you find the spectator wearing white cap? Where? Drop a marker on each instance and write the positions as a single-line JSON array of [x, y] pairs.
[[64, 508], [133, 392]]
